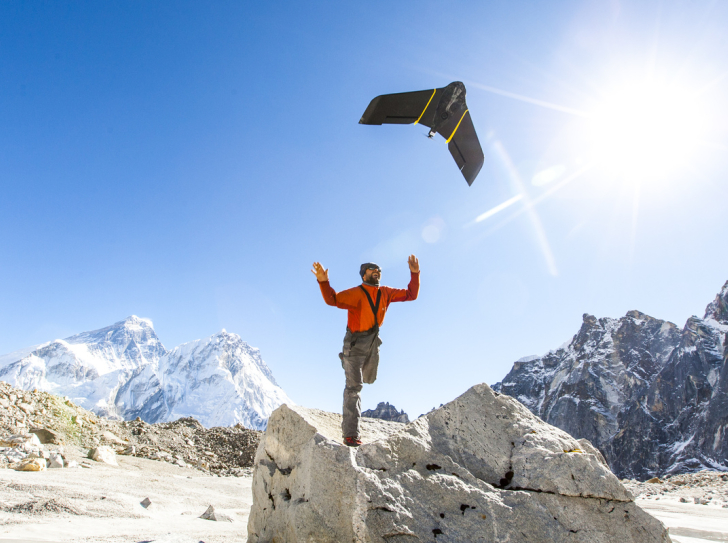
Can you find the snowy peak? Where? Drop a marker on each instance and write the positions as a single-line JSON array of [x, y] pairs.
[[230, 351], [220, 380], [120, 348], [718, 308], [130, 343]]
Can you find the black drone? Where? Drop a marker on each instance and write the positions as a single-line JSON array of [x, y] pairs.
[[443, 111]]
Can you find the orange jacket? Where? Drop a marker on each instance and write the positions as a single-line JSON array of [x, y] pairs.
[[361, 317]]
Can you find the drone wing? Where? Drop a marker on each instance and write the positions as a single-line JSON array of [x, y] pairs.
[[403, 108], [465, 148]]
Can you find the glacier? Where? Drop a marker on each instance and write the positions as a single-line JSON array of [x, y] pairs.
[[123, 371]]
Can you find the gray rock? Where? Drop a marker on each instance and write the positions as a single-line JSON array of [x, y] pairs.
[[55, 460], [211, 514], [145, 503], [481, 468], [104, 455], [111, 438]]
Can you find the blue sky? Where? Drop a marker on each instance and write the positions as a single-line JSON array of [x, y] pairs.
[[188, 161]]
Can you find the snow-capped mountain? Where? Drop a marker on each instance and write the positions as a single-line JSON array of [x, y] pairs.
[[124, 371], [653, 398], [219, 380]]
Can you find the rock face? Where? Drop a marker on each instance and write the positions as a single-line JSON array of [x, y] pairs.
[[653, 398], [385, 411], [123, 371], [481, 468]]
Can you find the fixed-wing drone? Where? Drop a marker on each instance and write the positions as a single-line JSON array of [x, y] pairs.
[[443, 111]]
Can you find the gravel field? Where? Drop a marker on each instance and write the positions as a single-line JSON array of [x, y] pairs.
[[104, 503], [693, 506]]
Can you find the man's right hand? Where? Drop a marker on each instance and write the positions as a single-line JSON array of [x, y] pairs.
[[320, 273]]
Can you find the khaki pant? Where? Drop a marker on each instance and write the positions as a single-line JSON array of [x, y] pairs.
[[360, 360]]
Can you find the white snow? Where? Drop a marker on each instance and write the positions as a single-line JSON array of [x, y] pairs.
[[718, 434], [678, 446], [530, 358], [712, 376], [9, 358]]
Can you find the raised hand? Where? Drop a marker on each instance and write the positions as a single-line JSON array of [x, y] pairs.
[[320, 273], [414, 264]]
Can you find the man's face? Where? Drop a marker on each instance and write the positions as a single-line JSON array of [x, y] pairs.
[[372, 275]]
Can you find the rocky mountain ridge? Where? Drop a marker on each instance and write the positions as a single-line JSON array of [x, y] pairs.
[[123, 371], [652, 397], [386, 411]]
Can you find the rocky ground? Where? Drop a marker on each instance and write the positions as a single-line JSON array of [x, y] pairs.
[[178, 466], [60, 424], [138, 500], [709, 488]]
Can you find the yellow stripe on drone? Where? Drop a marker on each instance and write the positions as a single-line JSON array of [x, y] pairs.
[[428, 103], [457, 126]]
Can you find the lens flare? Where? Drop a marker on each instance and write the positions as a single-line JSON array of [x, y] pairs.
[[646, 130], [500, 207]]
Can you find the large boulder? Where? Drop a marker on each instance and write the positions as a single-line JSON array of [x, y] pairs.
[[481, 468]]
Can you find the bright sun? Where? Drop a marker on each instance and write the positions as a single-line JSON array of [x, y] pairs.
[[646, 130]]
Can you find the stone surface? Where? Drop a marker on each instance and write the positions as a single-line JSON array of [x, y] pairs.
[[104, 455], [47, 436], [21, 441], [31, 464], [211, 514], [481, 468], [111, 438], [55, 460]]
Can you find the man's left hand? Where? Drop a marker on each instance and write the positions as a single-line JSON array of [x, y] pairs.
[[414, 264]]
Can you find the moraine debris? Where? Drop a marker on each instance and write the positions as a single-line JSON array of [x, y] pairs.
[[45, 422]]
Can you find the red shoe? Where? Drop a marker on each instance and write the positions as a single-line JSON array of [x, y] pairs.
[[351, 442]]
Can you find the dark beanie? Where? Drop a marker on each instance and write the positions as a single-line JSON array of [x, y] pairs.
[[369, 265]]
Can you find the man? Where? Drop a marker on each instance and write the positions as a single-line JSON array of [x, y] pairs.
[[367, 304]]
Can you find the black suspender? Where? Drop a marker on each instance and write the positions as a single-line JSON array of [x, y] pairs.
[[375, 307]]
